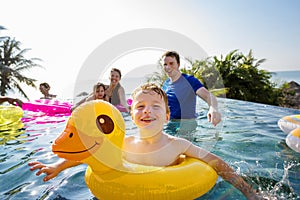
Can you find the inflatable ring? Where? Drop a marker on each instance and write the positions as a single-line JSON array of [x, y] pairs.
[[293, 140], [10, 118], [94, 135], [291, 126], [121, 108], [289, 123], [49, 107], [10, 114]]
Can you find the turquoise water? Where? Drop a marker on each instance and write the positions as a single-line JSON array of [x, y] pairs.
[[248, 139]]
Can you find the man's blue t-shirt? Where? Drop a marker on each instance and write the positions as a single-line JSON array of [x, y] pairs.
[[182, 96]]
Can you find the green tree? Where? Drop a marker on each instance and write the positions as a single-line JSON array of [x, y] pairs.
[[243, 78], [13, 64], [237, 75], [208, 74]]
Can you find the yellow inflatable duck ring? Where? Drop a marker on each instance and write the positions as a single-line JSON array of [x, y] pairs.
[[10, 118], [94, 135]]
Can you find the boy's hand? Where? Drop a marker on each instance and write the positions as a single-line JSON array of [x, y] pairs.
[[51, 170]]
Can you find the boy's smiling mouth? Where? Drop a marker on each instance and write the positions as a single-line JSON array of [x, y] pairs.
[[147, 119]]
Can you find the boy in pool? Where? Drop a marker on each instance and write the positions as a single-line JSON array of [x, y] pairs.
[[152, 146]]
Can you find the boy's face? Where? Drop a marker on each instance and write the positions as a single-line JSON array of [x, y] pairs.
[[148, 111], [170, 65]]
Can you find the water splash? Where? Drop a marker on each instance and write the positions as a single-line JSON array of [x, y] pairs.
[[278, 186]]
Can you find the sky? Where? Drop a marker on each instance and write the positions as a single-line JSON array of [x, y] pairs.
[[67, 34]]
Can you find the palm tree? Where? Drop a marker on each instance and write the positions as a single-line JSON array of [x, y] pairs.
[[244, 80], [12, 65]]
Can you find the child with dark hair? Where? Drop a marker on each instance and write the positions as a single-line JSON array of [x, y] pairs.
[[98, 93], [44, 88]]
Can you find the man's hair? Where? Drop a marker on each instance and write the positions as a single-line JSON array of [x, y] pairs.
[[148, 87], [116, 70], [173, 54]]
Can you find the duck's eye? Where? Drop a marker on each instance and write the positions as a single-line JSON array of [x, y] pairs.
[[105, 124]]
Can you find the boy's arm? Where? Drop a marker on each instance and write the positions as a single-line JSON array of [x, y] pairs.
[[229, 175], [222, 169], [52, 170]]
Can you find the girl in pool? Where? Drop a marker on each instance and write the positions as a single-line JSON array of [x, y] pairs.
[[98, 93]]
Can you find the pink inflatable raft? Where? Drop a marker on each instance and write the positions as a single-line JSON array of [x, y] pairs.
[[121, 108], [44, 111], [49, 107]]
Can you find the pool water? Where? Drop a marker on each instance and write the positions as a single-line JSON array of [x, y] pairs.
[[248, 139]]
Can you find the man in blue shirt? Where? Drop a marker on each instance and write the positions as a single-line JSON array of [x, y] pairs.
[[182, 91]]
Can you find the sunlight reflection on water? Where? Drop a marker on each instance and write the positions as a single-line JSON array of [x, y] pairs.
[[249, 140]]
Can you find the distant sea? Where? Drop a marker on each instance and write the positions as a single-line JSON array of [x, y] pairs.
[[288, 76]]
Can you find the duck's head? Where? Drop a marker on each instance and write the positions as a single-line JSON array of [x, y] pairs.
[[95, 129]]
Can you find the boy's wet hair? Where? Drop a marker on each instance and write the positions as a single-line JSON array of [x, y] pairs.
[[147, 88]]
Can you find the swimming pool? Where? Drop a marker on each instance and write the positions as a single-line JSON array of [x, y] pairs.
[[248, 139]]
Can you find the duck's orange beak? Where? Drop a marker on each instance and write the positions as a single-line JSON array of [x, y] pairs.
[[72, 145]]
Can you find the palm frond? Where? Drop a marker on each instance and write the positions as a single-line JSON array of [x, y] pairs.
[[13, 63]]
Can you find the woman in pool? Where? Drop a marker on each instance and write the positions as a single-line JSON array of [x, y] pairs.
[[115, 92]]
